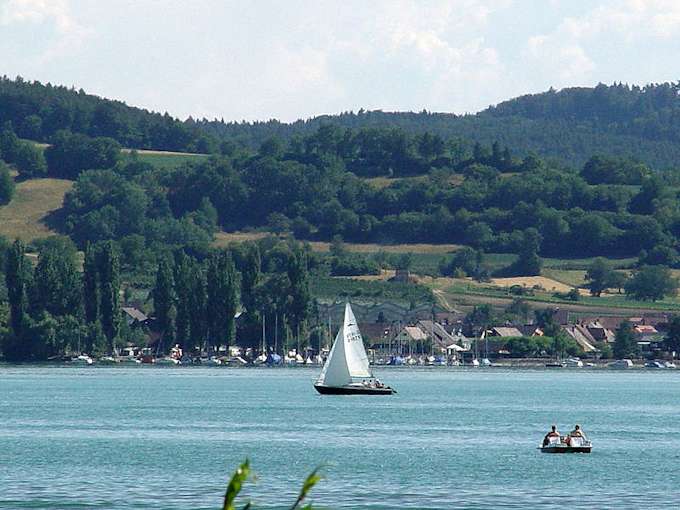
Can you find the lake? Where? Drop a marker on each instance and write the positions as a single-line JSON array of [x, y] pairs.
[[169, 438]]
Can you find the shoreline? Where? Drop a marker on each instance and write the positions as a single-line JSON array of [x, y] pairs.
[[514, 364]]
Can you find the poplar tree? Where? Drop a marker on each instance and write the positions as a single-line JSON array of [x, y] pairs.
[[91, 284], [300, 295], [182, 277], [198, 317], [164, 301], [223, 299], [18, 279], [108, 265], [250, 279], [55, 282]]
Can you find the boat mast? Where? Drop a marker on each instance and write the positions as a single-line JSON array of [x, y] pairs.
[[264, 345], [276, 333]]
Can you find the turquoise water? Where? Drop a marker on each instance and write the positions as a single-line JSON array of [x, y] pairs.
[[168, 438]]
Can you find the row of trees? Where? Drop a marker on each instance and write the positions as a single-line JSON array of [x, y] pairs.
[[647, 283], [196, 302], [53, 309]]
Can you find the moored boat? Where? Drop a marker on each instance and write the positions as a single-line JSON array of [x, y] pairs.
[[347, 371], [83, 359], [621, 364], [129, 360], [167, 361]]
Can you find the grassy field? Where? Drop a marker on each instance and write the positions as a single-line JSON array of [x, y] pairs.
[[372, 289], [161, 159], [25, 216], [467, 292], [571, 277]]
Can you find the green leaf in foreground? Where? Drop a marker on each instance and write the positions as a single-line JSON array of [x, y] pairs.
[[307, 486], [235, 485]]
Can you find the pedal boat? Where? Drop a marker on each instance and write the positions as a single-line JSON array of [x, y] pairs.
[[567, 444]]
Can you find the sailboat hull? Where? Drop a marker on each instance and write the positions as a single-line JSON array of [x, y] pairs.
[[352, 390]]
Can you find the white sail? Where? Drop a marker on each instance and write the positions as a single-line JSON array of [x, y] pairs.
[[357, 360], [347, 359]]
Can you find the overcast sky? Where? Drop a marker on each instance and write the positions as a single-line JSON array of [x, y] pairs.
[[289, 59]]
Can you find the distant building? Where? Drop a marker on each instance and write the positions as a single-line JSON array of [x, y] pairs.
[[581, 336], [133, 316], [505, 331], [530, 330], [375, 332], [441, 338], [411, 334], [599, 332]]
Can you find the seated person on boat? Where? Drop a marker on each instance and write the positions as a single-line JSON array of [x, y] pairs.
[[576, 433], [551, 437]]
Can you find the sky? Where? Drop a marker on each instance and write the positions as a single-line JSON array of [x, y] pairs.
[[290, 59]]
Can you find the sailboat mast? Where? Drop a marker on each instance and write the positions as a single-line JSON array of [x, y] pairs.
[[264, 345], [276, 332]]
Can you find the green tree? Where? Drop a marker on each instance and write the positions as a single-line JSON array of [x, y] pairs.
[[108, 265], [625, 345], [91, 284], [164, 302], [300, 294], [6, 184], [251, 276], [182, 278], [30, 161], [56, 282], [223, 289], [519, 308], [651, 283], [528, 262], [672, 340], [617, 280], [72, 153], [18, 282], [198, 315], [599, 276]]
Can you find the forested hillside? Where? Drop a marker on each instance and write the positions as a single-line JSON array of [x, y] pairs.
[[568, 126], [368, 185], [38, 112]]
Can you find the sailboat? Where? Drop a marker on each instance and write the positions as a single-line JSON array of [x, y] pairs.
[[346, 371]]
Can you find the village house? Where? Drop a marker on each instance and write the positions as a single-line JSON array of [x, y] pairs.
[[133, 316], [441, 338], [581, 335], [599, 332], [505, 332]]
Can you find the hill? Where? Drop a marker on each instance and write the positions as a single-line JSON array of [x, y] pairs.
[[568, 126]]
